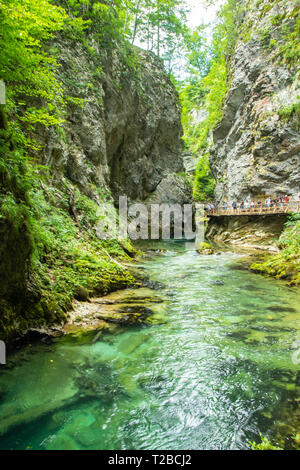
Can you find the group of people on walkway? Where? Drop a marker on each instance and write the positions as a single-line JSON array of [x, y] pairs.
[[250, 204]]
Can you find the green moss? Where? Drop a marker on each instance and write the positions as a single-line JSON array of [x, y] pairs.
[[265, 35], [184, 176], [289, 50], [286, 264], [204, 183], [73, 256], [277, 19], [55, 255], [265, 444], [286, 113], [283, 40], [204, 246], [245, 33]]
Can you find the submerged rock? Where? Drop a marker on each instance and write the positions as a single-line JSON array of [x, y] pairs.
[[279, 308], [130, 344], [124, 307], [62, 442], [218, 282]]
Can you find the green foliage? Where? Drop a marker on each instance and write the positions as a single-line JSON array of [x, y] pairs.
[[280, 35], [292, 220], [198, 52], [210, 93], [34, 97], [285, 264], [25, 66], [68, 255], [204, 184], [265, 444], [160, 26], [289, 50], [288, 112], [216, 85], [205, 93], [226, 32], [56, 242]]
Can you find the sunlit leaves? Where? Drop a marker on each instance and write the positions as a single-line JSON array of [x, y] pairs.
[[24, 65]]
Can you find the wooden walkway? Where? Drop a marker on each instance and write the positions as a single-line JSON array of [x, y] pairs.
[[262, 209]]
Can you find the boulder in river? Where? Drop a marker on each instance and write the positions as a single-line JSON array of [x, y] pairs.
[[205, 248]]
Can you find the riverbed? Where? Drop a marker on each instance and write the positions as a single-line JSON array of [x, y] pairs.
[[214, 370]]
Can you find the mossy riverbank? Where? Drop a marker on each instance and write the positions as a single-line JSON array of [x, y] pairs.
[[65, 261], [272, 243], [286, 263]]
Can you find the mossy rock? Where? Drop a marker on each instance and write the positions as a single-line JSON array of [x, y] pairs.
[[82, 294], [205, 248], [281, 270]]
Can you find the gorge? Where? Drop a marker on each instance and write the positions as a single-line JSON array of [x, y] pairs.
[[115, 343]]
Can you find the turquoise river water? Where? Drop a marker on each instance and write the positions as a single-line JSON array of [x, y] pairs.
[[213, 371]]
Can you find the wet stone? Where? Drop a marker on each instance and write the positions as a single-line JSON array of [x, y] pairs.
[[218, 282], [278, 308]]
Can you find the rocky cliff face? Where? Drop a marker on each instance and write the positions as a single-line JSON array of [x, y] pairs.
[[256, 149], [126, 138], [120, 136], [257, 144], [254, 232]]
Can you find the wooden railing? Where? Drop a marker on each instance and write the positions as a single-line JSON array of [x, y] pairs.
[[258, 209]]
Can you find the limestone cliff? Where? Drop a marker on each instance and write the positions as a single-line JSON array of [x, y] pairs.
[[257, 150], [126, 138], [257, 143], [120, 135]]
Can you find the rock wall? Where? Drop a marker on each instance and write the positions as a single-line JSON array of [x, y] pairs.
[[120, 135], [256, 151], [126, 138], [254, 232]]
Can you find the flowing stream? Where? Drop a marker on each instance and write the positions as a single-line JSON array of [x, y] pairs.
[[212, 371]]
